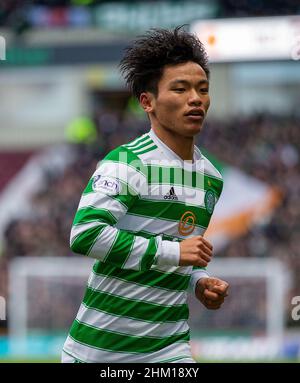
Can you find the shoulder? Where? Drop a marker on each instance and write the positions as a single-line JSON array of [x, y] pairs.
[[210, 169], [212, 175], [137, 153], [130, 156], [143, 148]]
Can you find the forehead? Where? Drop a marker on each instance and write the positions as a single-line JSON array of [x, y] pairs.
[[189, 71]]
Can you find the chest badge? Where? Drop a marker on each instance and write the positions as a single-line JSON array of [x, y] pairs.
[[187, 223], [210, 201]]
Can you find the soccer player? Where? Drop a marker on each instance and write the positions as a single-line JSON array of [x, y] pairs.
[[144, 212]]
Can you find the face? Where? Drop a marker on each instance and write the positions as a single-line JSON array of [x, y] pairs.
[[182, 100]]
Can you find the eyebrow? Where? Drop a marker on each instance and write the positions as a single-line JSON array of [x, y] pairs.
[[201, 82]]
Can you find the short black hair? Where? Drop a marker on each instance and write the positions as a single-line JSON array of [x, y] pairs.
[[143, 63]]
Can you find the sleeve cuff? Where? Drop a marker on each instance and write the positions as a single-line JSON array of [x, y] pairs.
[[196, 275], [169, 254]]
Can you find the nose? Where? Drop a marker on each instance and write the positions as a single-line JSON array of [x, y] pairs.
[[194, 98]]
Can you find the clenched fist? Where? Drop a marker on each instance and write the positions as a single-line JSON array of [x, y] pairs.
[[195, 251], [211, 292]]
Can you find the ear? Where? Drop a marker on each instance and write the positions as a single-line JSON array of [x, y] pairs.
[[147, 101]]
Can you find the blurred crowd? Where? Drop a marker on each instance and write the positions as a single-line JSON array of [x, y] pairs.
[[21, 15], [250, 8], [264, 146]]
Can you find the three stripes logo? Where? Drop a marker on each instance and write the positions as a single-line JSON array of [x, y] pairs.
[[171, 195]]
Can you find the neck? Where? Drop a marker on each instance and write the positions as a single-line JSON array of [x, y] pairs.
[[182, 146]]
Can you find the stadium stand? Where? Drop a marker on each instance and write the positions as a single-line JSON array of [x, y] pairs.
[[22, 16], [11, 162]]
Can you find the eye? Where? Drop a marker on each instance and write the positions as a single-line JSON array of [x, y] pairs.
[[179, 89], [204, 90]]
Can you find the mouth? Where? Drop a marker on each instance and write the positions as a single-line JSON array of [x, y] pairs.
[[192, 117], [195, 115]]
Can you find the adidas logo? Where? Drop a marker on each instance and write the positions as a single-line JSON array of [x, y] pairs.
[[171, 195]]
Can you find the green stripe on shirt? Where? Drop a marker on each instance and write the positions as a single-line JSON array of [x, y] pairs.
[[112, 341], [152, 278], [134, 308]]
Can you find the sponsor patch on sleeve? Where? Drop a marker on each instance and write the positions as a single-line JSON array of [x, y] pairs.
[[106, 185]]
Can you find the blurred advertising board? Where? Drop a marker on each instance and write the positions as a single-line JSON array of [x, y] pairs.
[[250, 39]]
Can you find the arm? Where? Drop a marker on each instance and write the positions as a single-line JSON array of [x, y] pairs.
[[111, 191], [201, 283], [210, 291]]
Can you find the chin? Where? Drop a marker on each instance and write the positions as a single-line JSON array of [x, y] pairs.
[[193, 130]]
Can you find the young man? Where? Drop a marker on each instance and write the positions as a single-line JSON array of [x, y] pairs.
[[143, 215]]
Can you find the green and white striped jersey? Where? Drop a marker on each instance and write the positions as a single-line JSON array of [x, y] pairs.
[[140, 202]]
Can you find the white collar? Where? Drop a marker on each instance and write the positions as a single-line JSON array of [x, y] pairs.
[[197, 156]]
